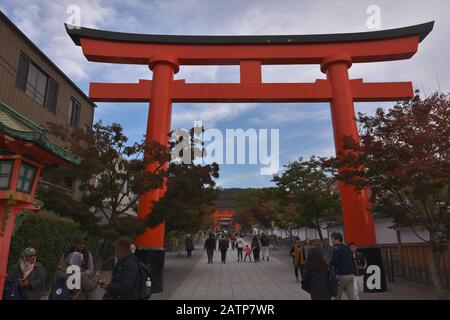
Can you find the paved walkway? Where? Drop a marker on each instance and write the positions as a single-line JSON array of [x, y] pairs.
[[265, 280]]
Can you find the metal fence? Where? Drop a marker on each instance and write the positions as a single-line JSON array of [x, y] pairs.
[[411, 262]]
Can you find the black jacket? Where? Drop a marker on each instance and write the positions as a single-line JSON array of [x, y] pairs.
[[125, 279], [265, 241], [223, 244], [316, 283], [360, 264], [210, 244], [342, 260], [255, 244], [189, 244]]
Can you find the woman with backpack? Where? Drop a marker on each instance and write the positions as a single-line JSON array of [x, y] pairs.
[[316, 276]]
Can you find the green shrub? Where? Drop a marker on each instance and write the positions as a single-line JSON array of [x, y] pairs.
[[48, 234]]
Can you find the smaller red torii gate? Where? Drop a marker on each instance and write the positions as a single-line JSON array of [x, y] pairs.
[[335, 53]]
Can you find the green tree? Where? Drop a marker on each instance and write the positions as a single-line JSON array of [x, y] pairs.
[[312, 191], [187, 205], [404, 158], [109, 180], [255, 207]]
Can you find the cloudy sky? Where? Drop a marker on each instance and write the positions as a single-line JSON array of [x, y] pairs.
[[305, 129]]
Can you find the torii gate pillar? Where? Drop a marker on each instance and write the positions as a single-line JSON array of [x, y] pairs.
[[358, 221], [151, 243]]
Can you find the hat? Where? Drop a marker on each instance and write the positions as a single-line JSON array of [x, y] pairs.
[[123, 245], [79, 237]]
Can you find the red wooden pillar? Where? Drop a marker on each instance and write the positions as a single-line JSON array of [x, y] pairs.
[[8, 213], [158, 128], [358, 222]]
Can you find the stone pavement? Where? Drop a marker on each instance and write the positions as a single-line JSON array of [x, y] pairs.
[[265, 280], [192, 278]]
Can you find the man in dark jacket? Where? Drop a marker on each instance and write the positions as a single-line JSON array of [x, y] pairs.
[[342, 262], [125, 279], [210, 246], [189, 245], [223, 247]]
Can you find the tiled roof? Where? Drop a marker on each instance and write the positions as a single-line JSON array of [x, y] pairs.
[[19, 127]]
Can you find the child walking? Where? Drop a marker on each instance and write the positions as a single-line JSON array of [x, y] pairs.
[[248, 252]]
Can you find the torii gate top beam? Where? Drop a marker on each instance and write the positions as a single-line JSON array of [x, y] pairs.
[[131, 48]]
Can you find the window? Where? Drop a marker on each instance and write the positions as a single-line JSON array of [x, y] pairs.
[[74, 112], [26, 177], [36, 84], [5, 173]]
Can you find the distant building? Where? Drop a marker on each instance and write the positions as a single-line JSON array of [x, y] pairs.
[[225, 210]]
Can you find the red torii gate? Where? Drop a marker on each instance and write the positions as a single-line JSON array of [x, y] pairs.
[[335, 53]]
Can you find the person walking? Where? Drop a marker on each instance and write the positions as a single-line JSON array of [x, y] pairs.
[[233, 241], [210, 246], [297, 257], [265, 243], [223, 247], [360, 265], [255, 248], [240, 247], [248, 253], [315, 276], [125, 279], [342, 262], [189, 245], [28, 276]]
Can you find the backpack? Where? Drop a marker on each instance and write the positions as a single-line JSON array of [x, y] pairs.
[[60, 291], [333, 284], [145, 281], [12, 291]]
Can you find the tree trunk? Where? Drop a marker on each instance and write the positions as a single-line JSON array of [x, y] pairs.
[[99, 262], [319, 231], [433, 259]]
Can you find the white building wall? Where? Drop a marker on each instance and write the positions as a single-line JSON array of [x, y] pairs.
[[408, 236], [303, 233], [386, 235]]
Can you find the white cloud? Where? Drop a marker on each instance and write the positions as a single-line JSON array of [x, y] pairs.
[[210, 114], [290, 114]]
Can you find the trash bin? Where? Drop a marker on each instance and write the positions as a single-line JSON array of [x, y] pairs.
[[154, 257]]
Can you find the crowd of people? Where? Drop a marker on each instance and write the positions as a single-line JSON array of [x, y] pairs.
[[224, 242], [130, 278], [342, 274]]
